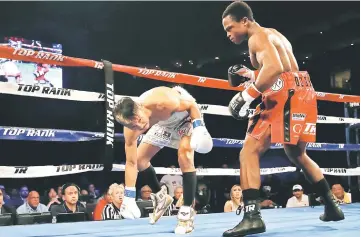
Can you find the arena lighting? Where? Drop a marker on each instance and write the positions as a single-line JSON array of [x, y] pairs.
[[216, 58], [351, 43], [190, 62], [321, 32], [306, 56]]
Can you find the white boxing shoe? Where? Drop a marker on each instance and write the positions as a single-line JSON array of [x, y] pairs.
[[161, 202], [186, 216], [130, 209]]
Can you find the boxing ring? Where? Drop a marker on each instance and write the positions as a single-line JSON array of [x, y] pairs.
[[280, 222]]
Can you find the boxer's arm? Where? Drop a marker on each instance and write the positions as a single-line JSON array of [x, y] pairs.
[[177, 104], [130, 140], [267, 56]]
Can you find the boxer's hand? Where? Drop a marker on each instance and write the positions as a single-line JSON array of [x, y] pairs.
[[201, 140], [238, 74], [240, 103]]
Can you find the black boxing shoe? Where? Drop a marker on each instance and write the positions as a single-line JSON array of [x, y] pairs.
[[332, 211], [251, 223]]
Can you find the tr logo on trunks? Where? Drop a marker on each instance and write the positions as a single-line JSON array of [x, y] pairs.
[[310, 129], [278, 85]]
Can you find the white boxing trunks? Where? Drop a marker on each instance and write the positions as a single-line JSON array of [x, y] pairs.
[[168, 133]]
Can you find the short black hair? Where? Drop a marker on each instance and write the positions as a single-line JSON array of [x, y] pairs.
[[238, 10], [125, 109]]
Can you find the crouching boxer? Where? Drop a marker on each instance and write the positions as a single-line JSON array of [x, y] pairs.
[[174, 120], [287, 113]]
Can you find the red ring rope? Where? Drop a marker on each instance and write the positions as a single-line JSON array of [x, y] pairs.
[[61, 60]]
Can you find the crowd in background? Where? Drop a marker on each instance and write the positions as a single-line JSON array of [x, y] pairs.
[[222, 196]]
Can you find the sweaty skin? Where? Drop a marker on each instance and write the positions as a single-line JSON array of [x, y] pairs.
[[272, 53], [160, 104]]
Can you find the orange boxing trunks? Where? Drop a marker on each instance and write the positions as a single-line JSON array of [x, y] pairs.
[[290, 108]]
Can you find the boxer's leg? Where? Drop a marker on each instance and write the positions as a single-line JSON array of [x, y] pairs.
[[250, 154], [146, 171], [186, 213], [297, 154]]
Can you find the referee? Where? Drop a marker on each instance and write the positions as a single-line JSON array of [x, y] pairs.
[[112, 211]]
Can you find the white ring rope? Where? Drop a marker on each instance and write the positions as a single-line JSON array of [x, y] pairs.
[[76, 95], [50, 170]]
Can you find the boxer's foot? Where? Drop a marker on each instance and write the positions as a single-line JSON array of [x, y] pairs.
[[161, 202], [251, 223], [332, 211], [185, 218]]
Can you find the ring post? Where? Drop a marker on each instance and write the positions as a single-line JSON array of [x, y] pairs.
[[109, 118]]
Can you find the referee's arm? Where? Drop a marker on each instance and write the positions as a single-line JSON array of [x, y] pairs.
[[108, 213]]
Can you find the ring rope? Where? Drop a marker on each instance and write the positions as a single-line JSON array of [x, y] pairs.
[[50, 170], [61, 60], [60, 135], [76, 95]]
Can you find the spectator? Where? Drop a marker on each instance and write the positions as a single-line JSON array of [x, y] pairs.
[[16, 199], [24, 192], [178, 198], [172, 181], [92, 192], [145, 193], [4, 208], [84, 192], [103, 201], [32, 205], [60, 192], [236, 200], [14, 193], [70, 193], [341, 196], [53, 198], [203, 194], [6, 198], [112, 211], [299, 199]]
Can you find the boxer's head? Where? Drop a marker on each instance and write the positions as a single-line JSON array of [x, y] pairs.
[[236, 20], [131, 114]]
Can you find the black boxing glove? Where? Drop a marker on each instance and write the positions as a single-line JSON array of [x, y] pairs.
[[238, 74], [240, 103]]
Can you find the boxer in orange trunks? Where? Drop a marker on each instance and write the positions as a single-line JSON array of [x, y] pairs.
[[287, 113]]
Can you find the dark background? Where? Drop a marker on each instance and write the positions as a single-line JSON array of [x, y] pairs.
[[160, 34]]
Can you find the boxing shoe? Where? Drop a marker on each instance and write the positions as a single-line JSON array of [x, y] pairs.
[[332, 210], [161, 202], [129, 208], [186, 216], [251, 223]]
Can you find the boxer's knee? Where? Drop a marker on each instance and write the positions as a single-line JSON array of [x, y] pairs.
[[186, 155], [253, 148], [142, 164]]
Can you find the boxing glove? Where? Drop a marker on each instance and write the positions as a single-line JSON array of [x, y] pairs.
[[238, 74], [201, 140], [239, 105]]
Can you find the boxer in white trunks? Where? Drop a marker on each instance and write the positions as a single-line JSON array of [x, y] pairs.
[[174, 120]]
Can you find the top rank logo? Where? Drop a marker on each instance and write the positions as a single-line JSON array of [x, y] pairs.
[[44, 90], [40, 55]]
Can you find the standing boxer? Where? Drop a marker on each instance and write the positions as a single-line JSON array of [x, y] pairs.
[[174, 120], [287, 114]]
